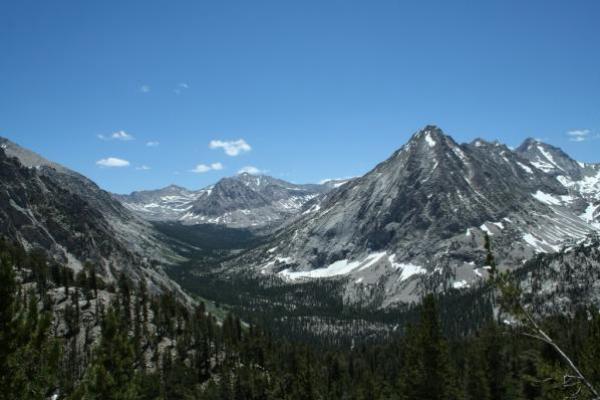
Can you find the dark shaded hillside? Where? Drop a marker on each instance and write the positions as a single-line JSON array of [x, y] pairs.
[[35, 210], [48, 207]]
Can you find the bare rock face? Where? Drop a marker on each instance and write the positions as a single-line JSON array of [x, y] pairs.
[[418, 220], [45, 205]]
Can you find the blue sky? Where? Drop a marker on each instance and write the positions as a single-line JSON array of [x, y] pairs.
[[308, 90]]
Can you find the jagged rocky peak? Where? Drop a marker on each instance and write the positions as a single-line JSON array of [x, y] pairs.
[[256, 181], [430, 146], [251, 200], [228, 195], [430, 137], [429, 133], [428, 157], [549, 159]]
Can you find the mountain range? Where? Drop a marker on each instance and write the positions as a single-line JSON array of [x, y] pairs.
[[415, 223], [240, 201]]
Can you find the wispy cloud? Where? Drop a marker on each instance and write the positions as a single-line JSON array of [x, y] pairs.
[[143, 168], [119, 135], [202, 168], [232, 148], [249, 169], [112, 162], [181, 87], [579, 135], [145, 89], [152, 143]]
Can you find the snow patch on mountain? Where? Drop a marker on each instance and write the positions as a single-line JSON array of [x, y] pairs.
[[589, 185], [460, 284], [484, 228], [548, 157], [341, 267], [539, 245], [590, 215], [408, 269], [525, 167], [546, 198], [371, 260], [460, 154], [429, 140]]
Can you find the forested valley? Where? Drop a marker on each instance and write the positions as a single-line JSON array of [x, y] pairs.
[[74, 336]]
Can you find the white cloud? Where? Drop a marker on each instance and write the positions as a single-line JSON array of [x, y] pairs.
[[232, 147], [143, 168], [152, 144], [202, 168], [249, 169], [181, 87], [112, 162], [578, 135], [118, 135], [145, 89]]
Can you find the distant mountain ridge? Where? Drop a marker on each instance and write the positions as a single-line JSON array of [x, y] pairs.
[[244, 200], [417, 221]]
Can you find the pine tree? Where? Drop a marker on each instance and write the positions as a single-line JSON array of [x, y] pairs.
[[427, 373], [475, 376], [590, 356], [8, 328], [92, 280], [495, 364], [112, 374], [489, 256], [28, 356]]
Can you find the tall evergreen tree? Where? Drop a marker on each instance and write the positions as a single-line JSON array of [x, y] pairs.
[[8, 344], [427, 373], [489, 256]]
